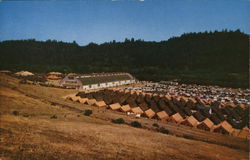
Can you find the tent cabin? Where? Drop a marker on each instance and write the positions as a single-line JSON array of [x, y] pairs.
[[125, 108], [214, 119], [191, 102], [168, 98], [224, 128], [162, 115], [143, 106], [200, 102], [115, 106], [187, 111], [149, 113], [168, 111], [82, 100], [137, 110], [244, 133], [199, 116], [183, 101], [100, 104], [190, 121], [90, 101], [206, 125], [176, 118], [74, 98]]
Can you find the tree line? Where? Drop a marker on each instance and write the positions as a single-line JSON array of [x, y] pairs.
[[219, 57]]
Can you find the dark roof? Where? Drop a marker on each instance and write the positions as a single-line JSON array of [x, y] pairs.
[[199, 116], [214, 119], [104, 79]]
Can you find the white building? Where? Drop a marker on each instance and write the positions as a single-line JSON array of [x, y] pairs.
[[97, 81]]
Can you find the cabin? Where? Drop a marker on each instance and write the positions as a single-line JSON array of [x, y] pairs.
[[149, 113], [244, 133], [100, 104], [125, 108], [115, 106], [199, 116], [97, 80], [190, 121], [74, 98], [176, 118], [206, 125], [90, 102], [82, 100], [162, 115], [224, 128], [137, 110]]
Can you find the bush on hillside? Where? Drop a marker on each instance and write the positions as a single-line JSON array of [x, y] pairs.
[[155, 125], [136, 124], [87, 112], [16, 113], [164, 130], [118, 121]]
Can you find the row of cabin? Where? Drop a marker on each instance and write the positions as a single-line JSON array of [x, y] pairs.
[[154, 103], [89, 82], [207, 125]]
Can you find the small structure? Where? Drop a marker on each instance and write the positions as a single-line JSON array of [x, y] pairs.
[[199, 116], [82, 100], [244, 133], [53, 77], [24, 73], [137, 110], [73, 98], [100, 104], [162, 115], [176, 118], [206, 125], [115, 106], [55, 73], [149, 113], [224, 128], [190, 121], [125, 108], [91, 101]]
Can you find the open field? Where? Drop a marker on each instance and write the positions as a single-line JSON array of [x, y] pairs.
[[32, 134]]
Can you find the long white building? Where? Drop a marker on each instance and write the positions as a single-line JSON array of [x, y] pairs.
[[97, 81]]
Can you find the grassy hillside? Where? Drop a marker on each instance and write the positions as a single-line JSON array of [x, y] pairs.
[[208, 58], [33, 134]]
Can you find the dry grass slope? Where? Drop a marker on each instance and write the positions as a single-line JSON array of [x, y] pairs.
[[75, 136]]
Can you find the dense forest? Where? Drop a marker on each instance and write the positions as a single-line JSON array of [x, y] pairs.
[[219, 58]]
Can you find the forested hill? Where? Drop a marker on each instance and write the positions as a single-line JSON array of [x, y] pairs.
[[208, 58]]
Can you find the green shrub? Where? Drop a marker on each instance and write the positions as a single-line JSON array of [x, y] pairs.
[[16, 113], [53, 117], [164, 130], [155, 125], [136, 124], [87, 112], [118, 121]]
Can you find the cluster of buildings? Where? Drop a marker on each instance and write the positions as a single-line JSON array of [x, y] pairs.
[[179, 110], [78, 81], [211, 93]]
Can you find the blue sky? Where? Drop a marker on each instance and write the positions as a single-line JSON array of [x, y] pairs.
[[106, 20]]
